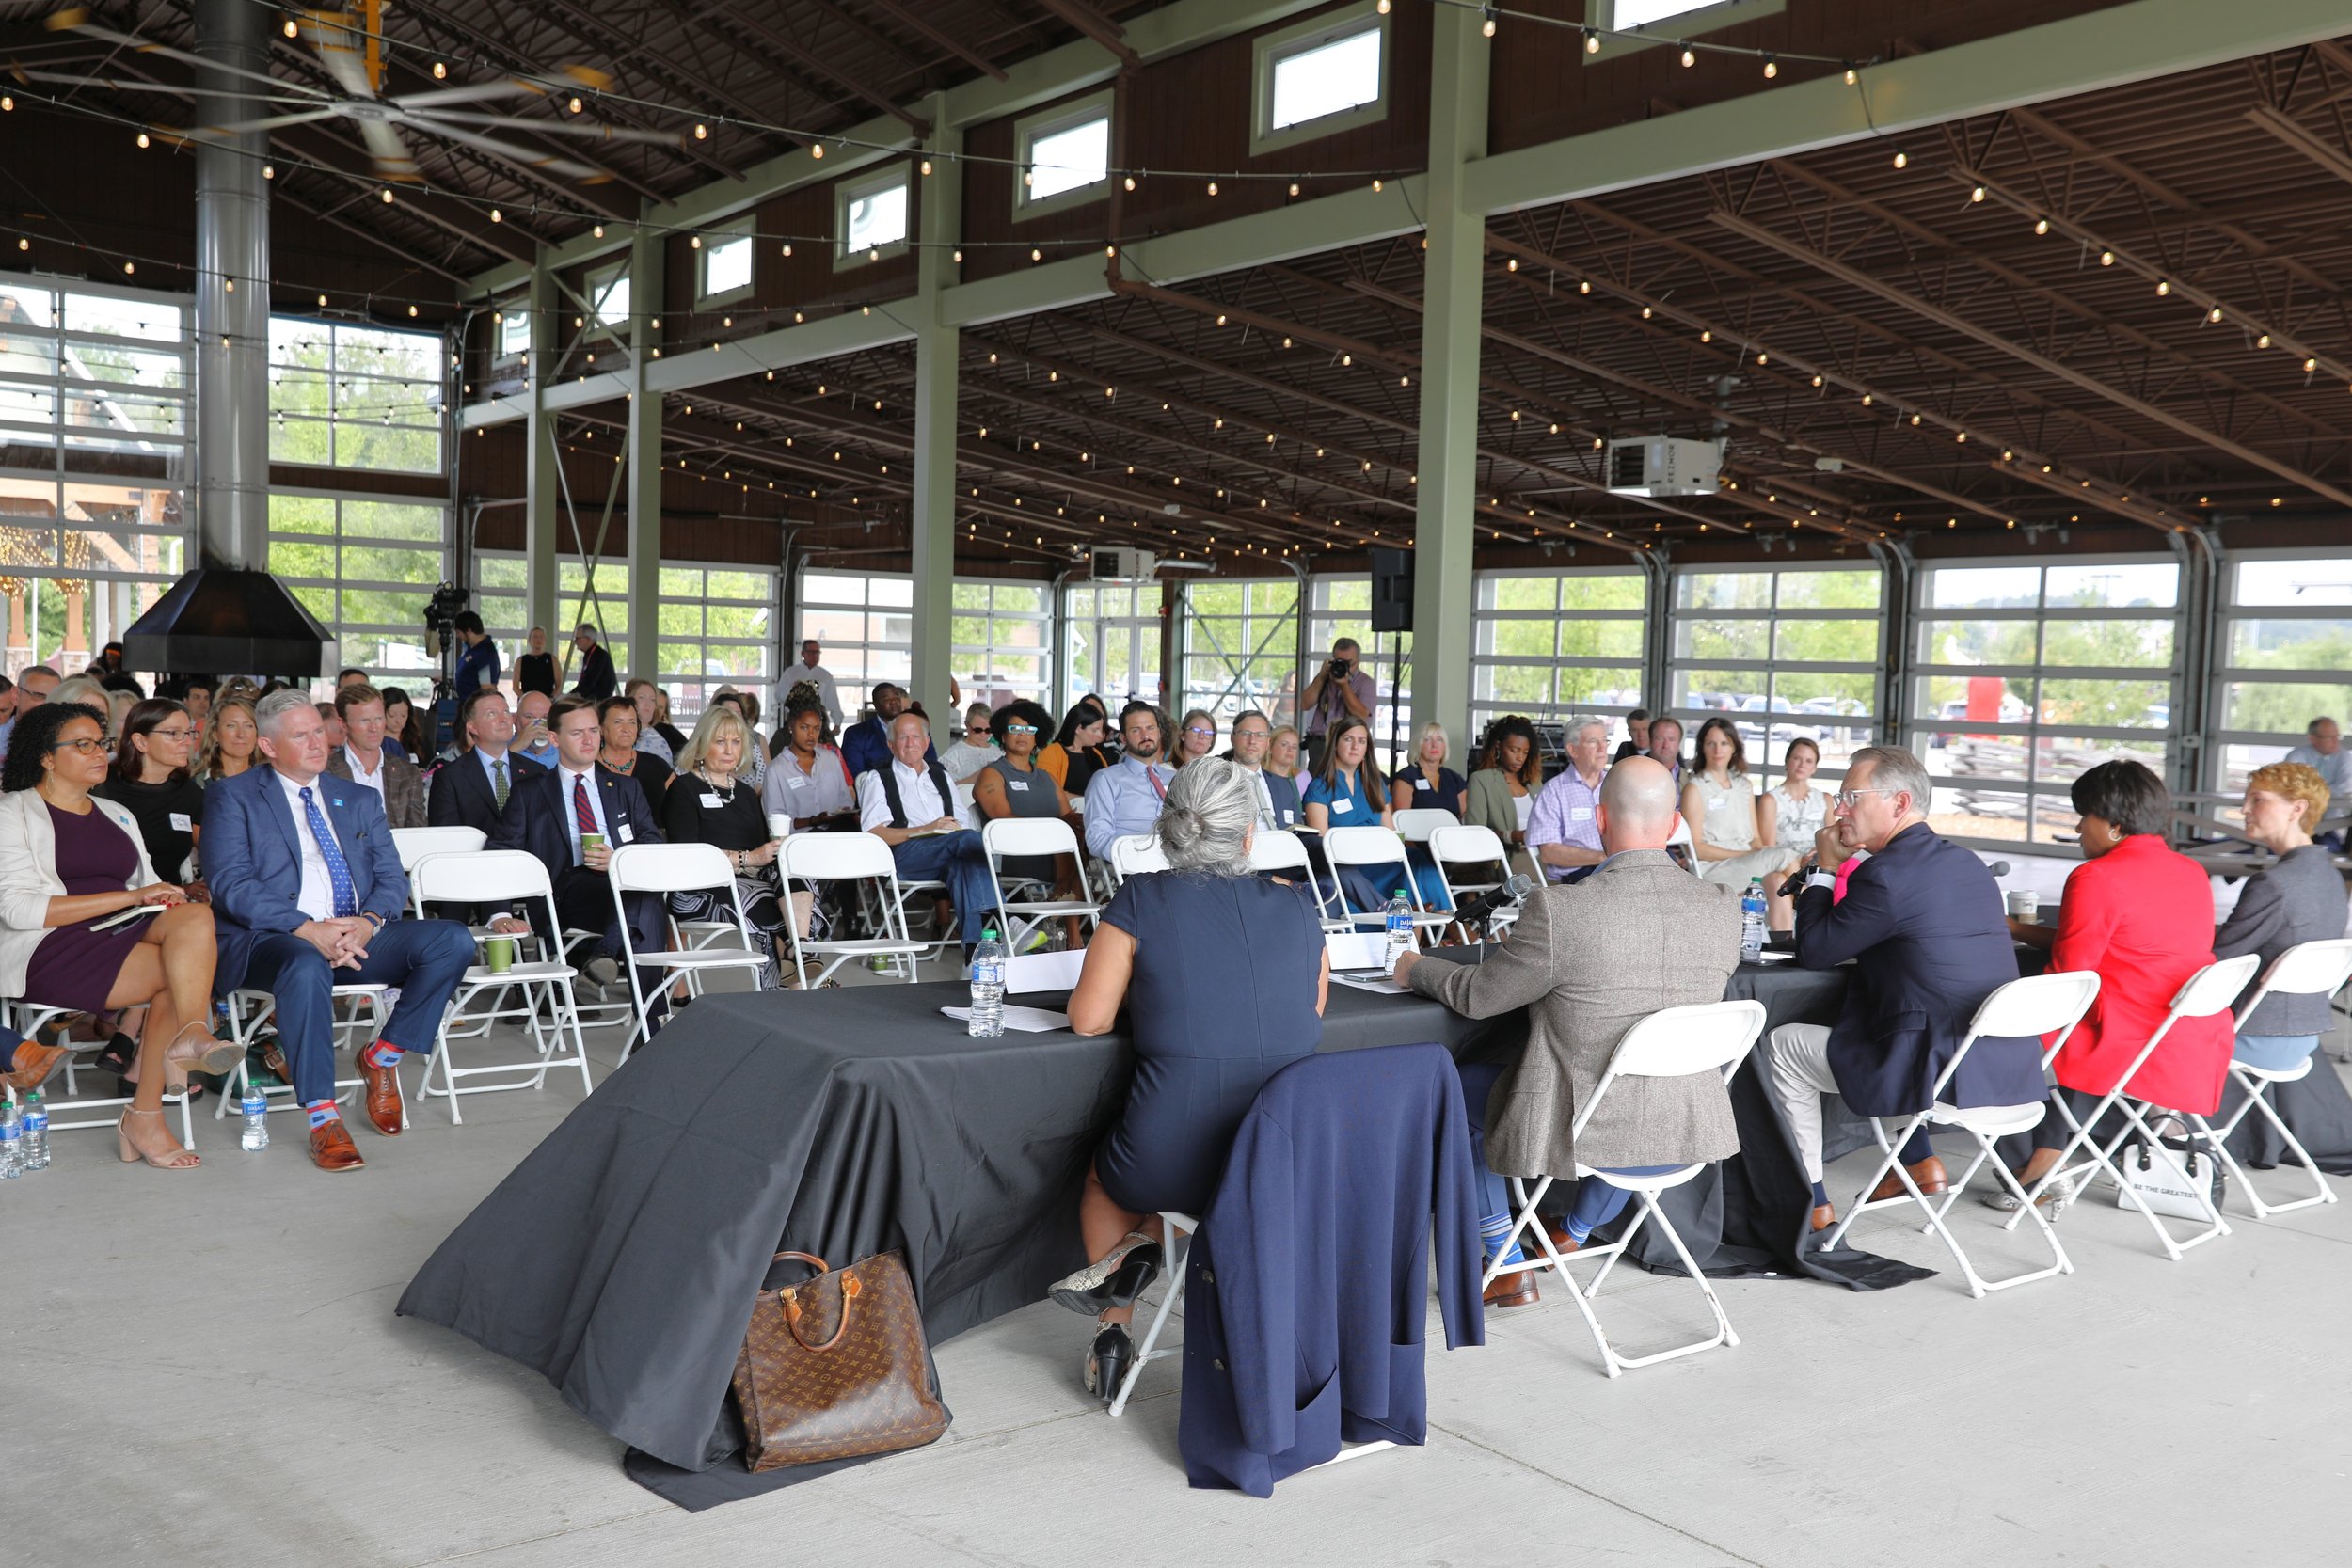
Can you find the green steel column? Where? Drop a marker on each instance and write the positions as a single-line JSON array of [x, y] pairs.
[[643, 593], [541, 488], [940, 202], [1445, 527]]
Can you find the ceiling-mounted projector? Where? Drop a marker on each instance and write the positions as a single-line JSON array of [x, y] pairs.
[[1663, 466], [1120, 563]]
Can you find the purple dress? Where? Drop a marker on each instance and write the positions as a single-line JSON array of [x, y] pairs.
[[75, 966]]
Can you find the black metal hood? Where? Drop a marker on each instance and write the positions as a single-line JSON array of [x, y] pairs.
[[221, 620]]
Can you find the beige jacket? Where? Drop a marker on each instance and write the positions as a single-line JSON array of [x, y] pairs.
[[1588, 961], [28, 877]]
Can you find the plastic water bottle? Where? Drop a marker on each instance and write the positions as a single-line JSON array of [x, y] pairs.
[[1752, 920], [36, 1145], [1399, 923], [987, 1019], [256, 1108], [12, 1143]]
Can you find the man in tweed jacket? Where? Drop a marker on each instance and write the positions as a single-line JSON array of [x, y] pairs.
[[1588, 961]]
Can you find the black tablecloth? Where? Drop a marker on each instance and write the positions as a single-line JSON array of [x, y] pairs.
[[619, 1260]]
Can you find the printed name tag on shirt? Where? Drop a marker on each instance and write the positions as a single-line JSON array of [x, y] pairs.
[[711, 800], [180, 823], [1021, 784], [1581, 813], [794, 781], [626, 834]]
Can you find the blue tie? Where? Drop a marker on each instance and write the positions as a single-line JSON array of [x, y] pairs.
[[338, 869]]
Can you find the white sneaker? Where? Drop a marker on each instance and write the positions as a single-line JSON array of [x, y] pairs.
[[2052, 1201]]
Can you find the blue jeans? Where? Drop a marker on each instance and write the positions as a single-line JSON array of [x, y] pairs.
[[1595, 1202], [2274, 1052], [957, 860], [426, 958]]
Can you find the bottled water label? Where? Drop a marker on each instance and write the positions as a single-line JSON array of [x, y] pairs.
[[1400, 931], [36, 1136], [987, 1017], [11, 1146], [256, 1108], [1752, 923]]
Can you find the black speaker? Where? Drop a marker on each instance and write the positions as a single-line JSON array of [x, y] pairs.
[[1391, 591]]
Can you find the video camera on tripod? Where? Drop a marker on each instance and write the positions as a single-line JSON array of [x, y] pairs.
[[441, 643]]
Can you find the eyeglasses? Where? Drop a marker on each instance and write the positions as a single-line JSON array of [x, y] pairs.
[[1846, 799], [85, 746], [162, 733], [1021, 729], [1196, 729]]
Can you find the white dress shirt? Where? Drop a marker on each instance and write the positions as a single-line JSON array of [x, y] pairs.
[[2335, 769], [827, 693], [915, 793], [317, 897], [567, 777], [359, 775]]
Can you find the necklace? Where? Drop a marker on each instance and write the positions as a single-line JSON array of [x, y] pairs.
[[629, 767], [726, 792]]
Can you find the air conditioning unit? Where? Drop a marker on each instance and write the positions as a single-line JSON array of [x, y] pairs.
[[1663, 466], [1119, 564]]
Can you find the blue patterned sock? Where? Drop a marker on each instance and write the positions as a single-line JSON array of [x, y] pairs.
[[1492, 1230], [322, 1112]]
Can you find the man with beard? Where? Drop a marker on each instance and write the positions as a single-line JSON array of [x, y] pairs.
[[1125, 797]]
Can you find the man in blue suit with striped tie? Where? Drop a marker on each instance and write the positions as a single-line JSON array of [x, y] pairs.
[[307, 892]]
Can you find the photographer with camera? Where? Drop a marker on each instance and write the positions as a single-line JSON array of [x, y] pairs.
[[478, 657], [1341, 690]]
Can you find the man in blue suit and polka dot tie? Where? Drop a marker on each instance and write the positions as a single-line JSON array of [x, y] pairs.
[[307, 892]]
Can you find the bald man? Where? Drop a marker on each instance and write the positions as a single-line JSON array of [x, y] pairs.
[[1588, 961]]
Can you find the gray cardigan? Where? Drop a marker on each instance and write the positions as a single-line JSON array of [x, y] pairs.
[[2299, 900]]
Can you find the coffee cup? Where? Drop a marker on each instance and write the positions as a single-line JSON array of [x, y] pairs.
[[591, 841], [2024, 905], [499, 954], [779, 824]]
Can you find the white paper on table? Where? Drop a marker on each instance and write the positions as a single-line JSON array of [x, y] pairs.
[[1381, 984], [1027, 1020]]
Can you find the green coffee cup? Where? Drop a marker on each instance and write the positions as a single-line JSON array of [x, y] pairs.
[[498, 952]]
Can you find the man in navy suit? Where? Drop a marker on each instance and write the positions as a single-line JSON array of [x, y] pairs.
[[1923, 920], [308, 891], [866, 745], [471, 789], [548, 814]]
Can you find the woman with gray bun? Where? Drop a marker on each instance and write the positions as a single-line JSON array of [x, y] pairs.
[[1224, 975]]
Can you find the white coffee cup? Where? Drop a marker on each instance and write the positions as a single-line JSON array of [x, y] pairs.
[[779, 824], [2024, 905]]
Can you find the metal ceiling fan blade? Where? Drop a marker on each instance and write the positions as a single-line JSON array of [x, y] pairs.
[[471, 92], [123, 84], [71, 22], [392, 158], [273, 122], [531, 157], [344, 63], [585, 131]]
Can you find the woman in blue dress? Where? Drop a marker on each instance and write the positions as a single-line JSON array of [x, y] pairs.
[[1346, 795], [1223, 976]]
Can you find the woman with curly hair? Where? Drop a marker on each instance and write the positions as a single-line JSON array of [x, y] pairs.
[[231, 738], [71, 863], [1503, 789]]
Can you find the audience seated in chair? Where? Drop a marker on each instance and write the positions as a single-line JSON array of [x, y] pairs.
[[1584, 962], [573, 817], [1922, 919], [1564, 825], [711, 803], [1172, 948], [364, 759], [866, 745], [2139, 914], [1280, 808], [310, 893], [910, 804], [1718, 802], [2298, 899], [150, 779], [1015, 785], [809, 781], [471, 790], [624, 752], [1346, 794], [1124, 798], [68, 861]]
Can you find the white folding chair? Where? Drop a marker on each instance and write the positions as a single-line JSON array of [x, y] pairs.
[[2208, 991], [2307, 969], [1176, 1232], [414, 844], [1379, 847], [1457, 845], [663, 869], [1024, 836], [503, 876], [1416, 823], [1281, 851], [863, 859], [27, 1017], [1674, 1043], [2037, 1006], [1132, 853]]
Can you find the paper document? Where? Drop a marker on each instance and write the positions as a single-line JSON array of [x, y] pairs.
[[1027, 1020], [1380, 983]]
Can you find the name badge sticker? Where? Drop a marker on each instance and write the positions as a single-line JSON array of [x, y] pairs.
[[627, 836], [180, 823], [795, 781], [711, 800], [1021, 784], [1579, 814]]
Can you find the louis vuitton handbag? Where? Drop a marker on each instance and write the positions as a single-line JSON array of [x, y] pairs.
[[835, 1367]]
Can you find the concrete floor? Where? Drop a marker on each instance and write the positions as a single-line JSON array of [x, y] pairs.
[[204, 1368]]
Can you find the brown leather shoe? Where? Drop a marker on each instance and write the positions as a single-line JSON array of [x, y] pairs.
[[331, 1147], [1927, 1174], [1561, 1242], [1511, 1289], [33, 1065], [382, 1095], [1823, 1217]]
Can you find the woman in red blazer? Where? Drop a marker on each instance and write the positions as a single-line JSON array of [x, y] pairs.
[[2142, 916]]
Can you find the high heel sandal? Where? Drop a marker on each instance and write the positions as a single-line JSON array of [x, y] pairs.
[[179, 1159], [199, 1053], [1115, 1279]]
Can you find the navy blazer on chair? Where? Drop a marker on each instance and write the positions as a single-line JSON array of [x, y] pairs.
[[1924, 923], [253, 859], [1307, 1284], [537, 809], [462, 796]]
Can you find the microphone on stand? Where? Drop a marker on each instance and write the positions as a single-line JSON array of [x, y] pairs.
[[1510, 894]]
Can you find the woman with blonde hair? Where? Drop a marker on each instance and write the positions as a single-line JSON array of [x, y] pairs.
[[231, 738], [1427, 782], [713, 800], [2299, 898], [1282, 753]]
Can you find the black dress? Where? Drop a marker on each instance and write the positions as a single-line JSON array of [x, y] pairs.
[[169, 814], [75, 966], [1222, 995], [652, 774], [535, 673], [694, 812], [1445, 794]]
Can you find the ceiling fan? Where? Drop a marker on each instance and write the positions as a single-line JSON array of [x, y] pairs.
[[347, 47]]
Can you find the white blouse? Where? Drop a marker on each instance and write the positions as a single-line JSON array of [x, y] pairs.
[[1796, 821]]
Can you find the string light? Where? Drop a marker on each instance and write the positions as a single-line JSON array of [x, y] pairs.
[[441, 72], [1903, 159], [143, 138], [1487, 26], [291, 30], [1592, 41], [1772, 67], [1689, 58]]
